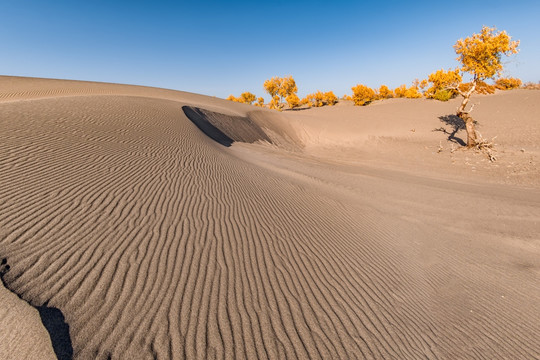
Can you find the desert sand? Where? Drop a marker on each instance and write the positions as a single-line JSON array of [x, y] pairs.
[[149, 223]]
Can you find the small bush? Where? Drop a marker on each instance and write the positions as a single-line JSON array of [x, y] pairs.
[[413, 93], [260, 102], [363, 95], [443, 95], [315, 99], [330, 98], [507, 83], [531, 86], [441, 80], [293, 101], [245, 98], [400, 91], [385, 92]]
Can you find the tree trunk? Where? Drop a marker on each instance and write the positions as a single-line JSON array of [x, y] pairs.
[[472, 139]]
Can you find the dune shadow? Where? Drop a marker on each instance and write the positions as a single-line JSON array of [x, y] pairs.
[[225, 129], [201, 121], [53, 320], [456, 124], [58, 329]]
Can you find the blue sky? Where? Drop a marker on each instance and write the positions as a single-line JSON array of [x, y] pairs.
[[221, 48]]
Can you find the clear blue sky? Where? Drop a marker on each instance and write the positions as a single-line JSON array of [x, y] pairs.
[[221, 48]]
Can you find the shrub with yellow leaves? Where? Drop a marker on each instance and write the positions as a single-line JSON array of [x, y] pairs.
[[442, 83], [293, 101], [508, 83], [400, 91], [330, 98], [363, 95], [315, 99], [245, 98], [385, 93], [260, 102]]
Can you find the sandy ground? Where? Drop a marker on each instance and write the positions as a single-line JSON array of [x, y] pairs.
[[341, 232]]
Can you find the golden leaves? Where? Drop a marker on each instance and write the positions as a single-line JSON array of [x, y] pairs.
[[480, 54]]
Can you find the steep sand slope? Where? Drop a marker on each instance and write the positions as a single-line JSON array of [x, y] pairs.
[[157, 242]]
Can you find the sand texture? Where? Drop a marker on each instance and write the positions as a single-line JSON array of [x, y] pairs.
[[332, 233]]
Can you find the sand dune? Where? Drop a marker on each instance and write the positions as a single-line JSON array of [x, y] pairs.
[[155, 241]]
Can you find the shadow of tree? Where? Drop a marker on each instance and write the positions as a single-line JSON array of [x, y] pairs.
[[456, 124]]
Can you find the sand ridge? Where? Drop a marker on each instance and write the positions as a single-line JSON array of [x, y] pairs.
[[155, 241]]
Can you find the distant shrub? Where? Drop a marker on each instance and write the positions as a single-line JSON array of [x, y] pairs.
[[531, 86], [481, 87], [245, 98], [400, 91], [347, 97], [293, 101], [385, 92], [330, 98], [443, 95], [507, 83], [441, 81], [315, 99], [260, 102], [413, 93], [404, 92], [363, 95]]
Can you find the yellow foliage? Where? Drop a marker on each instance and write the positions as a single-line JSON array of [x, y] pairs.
[[480, 54], [319, 99], [508, 83], [347, 97], [247, 97], [385, 92], [272, 86], [275, 103], [330, 98], [363, 95], [279, 89], [315, 99], [481, 87], [260, 102], [293, 101], [400, 91], [441, 81], [412, 93]]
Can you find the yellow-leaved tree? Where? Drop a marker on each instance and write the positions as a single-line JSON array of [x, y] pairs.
[[279, 89], [480, 56], [260, 102]]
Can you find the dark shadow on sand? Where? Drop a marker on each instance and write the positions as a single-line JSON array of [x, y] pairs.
[[456, 124], [53, 320], [55, 323], [225, 129]]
